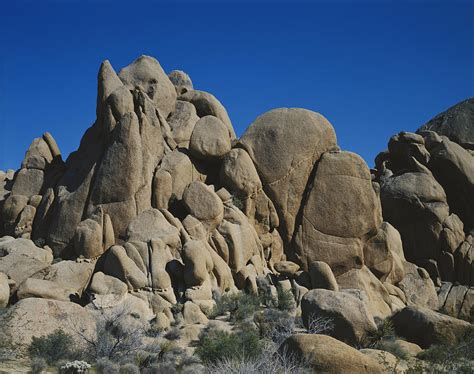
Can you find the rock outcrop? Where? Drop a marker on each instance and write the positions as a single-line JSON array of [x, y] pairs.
[[162, 204]]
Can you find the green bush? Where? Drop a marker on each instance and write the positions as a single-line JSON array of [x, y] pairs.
[[105, 366], [275, 325], [286, 301], [129, 368], [240, 305], [237, 201], [38, 365], [457, 358], [392, 346], [385, 330], [52, 347], [216, 345]]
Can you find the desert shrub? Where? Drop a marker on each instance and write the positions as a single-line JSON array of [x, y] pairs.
[[385, 330], [173, 199], [392, 346], [173, 334], [267, 362], [38, 365], [74, 367], [40, 242], [129, 368], [275, 325], [457, 358], [52, 347], [319, 324], [237, 201], [240, 305], [216, 345], [119, 335], [286, 300], [105, 366]]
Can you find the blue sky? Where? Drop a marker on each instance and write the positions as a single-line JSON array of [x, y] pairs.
[[372, 68]]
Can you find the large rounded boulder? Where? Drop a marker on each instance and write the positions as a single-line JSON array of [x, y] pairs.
[[284, 144]]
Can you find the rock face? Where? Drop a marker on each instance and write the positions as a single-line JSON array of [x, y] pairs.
[[161, 204]]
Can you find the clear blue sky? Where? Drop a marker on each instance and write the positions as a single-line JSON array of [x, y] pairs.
[[372, 68]]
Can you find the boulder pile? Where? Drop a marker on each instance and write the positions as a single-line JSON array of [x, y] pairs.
[[163, 204]]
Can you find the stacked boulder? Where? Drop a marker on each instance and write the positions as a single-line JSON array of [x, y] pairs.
[[426, 184], [162, 204]]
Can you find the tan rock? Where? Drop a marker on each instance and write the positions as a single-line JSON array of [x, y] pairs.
[[322, 276], [68, 274], [386, 359], [88, 239], [147, 73], [197, 263], [182, 122], [207, 105], [24, 224], [12, 208], [192, 314], [20, 258], [284, 145], [44, 289], [103, 284], [4, 290], [41, 317], [378, 297], [350, 315], [119, 265], [337, 216], [328, 355], [426, 327], [28, 182], [162, 189], [418, 287], [182, 171], [210, 139], [152, 224], [287, 268], [238, 173], [203, 203]]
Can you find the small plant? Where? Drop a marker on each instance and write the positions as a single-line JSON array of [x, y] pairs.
[[286, 300], [105, 366], [74, 367], [385, 330], [38, 365], [457, 358], [117, 336], [40, 242], [391, 345], [129, 368], [275, 325], [216, 345], [237, 201], [52, 347], [269, 361], [240, 305], [177, 308], [319, 324], [173, 199], [173, 334]]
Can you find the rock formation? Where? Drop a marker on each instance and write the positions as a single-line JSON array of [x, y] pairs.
[[163, 204]]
